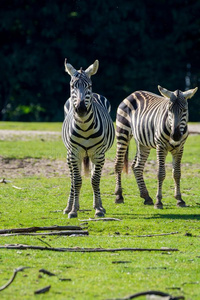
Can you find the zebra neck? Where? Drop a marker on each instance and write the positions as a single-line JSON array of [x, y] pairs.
[[85, 122]]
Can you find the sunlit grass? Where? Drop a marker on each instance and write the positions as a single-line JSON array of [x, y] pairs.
[[54, 126]]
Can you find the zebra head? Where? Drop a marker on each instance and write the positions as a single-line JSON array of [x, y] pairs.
[[81, 87], [177, 110]]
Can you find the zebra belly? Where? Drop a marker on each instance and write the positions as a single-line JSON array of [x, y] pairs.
[[143, 133]]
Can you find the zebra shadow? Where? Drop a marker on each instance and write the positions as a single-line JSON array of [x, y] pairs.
[[176, 216], [157, 216]]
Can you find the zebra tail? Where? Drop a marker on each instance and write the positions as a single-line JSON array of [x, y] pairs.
[[86, 165], [126, 161]]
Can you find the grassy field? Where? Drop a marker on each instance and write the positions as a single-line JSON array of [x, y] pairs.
[[40, 201]]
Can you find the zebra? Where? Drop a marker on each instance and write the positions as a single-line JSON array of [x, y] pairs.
[[87, 132], [154, 121]]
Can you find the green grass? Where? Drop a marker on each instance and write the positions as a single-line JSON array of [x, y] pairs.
[[54, 126], [33, 148], [94, 275]]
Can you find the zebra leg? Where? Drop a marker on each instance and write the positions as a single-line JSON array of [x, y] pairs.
[[71, 195], [138, 168], [176, 173], [161, 155], [76, 182], [119, 163], [95, 181]]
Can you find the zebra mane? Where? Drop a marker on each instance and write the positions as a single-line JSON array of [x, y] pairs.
[[178, 99], [81, 75]]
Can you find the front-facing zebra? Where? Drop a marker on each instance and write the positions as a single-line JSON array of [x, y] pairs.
[[154, 122], [87, 132]]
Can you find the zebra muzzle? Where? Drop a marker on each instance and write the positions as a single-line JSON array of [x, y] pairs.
[[176, 135], [81, 109]]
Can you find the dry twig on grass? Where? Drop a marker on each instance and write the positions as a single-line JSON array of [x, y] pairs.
[[12, 278], [77, 249], [100, 219], [68, 232], [159, 234], [37, 228], [8, 181]]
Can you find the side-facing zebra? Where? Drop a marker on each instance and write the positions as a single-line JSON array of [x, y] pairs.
[[154, 122], [88, 132]]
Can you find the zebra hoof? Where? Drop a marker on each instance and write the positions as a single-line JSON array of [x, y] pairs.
[[66, 211], [158, 205], [148, 201], [72, 215], [103, 210], [99, 213], [119, 199], [181, 203]]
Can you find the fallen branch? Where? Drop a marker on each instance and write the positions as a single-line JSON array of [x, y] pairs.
[[121, 262], [159, 234], [77, 249], [36, 228], [101, 219], [149, 293], [12, 278], [68, 232]]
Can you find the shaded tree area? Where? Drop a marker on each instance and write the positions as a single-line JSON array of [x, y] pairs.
[[139, 44]]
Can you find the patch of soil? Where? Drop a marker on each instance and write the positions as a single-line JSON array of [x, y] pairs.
[[19, 168], [26, 135]]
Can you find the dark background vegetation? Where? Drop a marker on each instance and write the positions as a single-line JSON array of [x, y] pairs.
[[139, 44]]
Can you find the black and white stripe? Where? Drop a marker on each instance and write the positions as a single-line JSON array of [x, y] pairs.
[[88, 131], [154, 122]]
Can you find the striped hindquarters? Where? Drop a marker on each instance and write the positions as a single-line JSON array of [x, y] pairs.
[[149, 120], [123, 120], [145, 113]]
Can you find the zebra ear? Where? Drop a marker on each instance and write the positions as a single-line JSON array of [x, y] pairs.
[[164, 92], [69, 68], [91, 70], [190, 93]]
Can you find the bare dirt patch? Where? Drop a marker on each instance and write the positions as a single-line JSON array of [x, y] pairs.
[[28, 167], [18, 168], [26, 135]]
